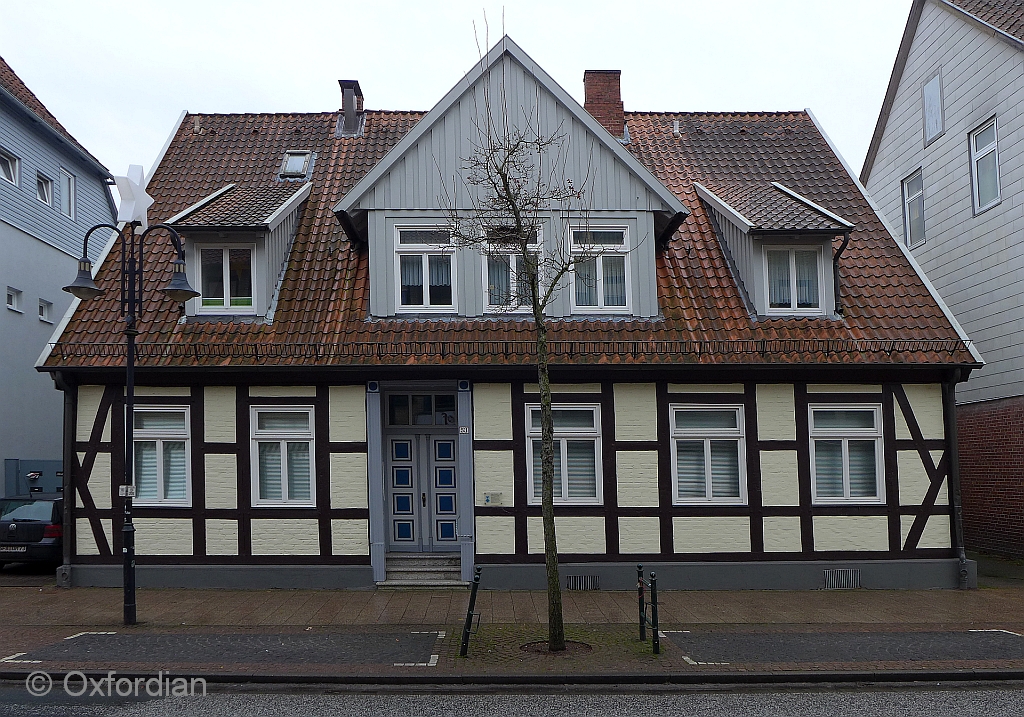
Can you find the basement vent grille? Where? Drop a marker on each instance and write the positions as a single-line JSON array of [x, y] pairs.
[[842, 578], [582, 582]]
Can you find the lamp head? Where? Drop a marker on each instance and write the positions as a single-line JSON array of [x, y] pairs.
[[83, 286], [179, 289]]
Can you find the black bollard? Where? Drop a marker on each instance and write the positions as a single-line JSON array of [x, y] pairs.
[[464, 649], [655, 637], [640, 601]]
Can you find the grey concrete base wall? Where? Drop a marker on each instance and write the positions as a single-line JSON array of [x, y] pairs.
[[333, 577], [782, 575]]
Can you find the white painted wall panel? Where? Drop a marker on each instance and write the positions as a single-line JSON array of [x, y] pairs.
[[282, 391], [349, 480], [492, 411], [221, 537], [163, 536], [221, 480], [573, 534], [350, 536], [496, 535], [776, 414], [636, 412], [347, 410], [285, 536], [851, 532], [782, 534], [926, 400], [88, 405], [639, 534], [719, 534], [99, 481], [85, 542], [936, 533], [493, 478], [914, 480], [637, 478], [219, 414], [780, 482], [705, 388]]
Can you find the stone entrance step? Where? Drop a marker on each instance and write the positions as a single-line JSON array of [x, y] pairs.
[[423, 570]]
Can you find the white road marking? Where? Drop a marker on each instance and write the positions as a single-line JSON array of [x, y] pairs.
[[690, 661], [79, 634], [433, 658], [12, 659], [1008, 632]]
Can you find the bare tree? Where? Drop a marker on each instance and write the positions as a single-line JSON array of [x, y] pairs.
[[513, 182]]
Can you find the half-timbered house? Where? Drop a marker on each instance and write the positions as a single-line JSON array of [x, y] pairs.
[[753, 381]]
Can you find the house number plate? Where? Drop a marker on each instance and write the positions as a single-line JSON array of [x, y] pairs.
[[463, 429], [126, 491]]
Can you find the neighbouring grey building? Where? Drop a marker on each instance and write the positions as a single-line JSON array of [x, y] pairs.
[[946, 165], [51, 191]]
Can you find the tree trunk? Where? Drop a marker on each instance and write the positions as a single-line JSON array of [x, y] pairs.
[[556, 630]]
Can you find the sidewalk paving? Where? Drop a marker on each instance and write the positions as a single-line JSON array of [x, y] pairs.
[[412, 637]]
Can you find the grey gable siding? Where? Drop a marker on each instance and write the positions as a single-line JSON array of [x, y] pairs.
[[414, 190], [20, 208], [976, 262]]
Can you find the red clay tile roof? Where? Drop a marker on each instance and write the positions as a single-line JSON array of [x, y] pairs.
[[247, 207], [13, 84], [1005, 15], [322, 314]]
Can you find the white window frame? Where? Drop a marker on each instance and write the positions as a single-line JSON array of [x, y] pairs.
[[14, 299], [424, 251], [847, 434], [68, 178], [563, 435], [45, 183], [46, 311], [492, 250], [907, 199], [15, 164], [792, 310], [598, 251], [708, 435], [977, 156], [221, 310], [257, 436], [160, 435], [934, 77]]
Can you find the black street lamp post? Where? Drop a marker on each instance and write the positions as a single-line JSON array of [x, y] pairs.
[[131, 242]]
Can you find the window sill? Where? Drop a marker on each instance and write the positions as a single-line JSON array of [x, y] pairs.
[[848, 501], [159, 504]]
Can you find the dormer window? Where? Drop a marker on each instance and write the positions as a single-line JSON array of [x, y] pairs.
[[600, 275], [226, 279], [296, 164], [794, 279], [423, 259]]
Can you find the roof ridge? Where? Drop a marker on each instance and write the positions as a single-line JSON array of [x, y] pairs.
[[710, 113]]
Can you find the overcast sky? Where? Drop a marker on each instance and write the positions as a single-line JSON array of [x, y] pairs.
[[118, 74]]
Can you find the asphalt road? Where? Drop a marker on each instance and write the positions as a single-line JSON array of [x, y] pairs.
[[847, 701]]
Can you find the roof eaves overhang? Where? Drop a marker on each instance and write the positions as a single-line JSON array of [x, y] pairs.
[[902, 247], [506, 46], [47, 129], [723, 208], [282, 212]]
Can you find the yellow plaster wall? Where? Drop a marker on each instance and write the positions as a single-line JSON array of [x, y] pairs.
[[347, 413], [780, 484], [493, 474], [221, 537], [350, 536], [639, 534], [636, 412], [221, 480], [496, 534], [492, 411], [285, 536], [776, 412], [851, 532], [719, 534], [163, 536], [349, 483], [219, 414], [573, 534], [637, 478]]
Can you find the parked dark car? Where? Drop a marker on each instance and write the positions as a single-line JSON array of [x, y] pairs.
[[31, 529]]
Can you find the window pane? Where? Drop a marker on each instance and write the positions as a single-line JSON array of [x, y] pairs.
[[932, 109], [863, 472], [146, 470], [499, 280], [586, 282], [988, 180], [240, 275], [985, 137], [601, 237], [296, 163], [212, 270], [298, 471], [422, 410], [523, 294], [444, 410], [725, 469], [290, 421], [166, 420], [614, 280], [423, 236], [778, 280], [44, 190], [270, 471], [8, 168], [828, 468], [843, 418], [690, 469], [807, 279], [67, 193], [538, 475], [440, 280], [581, 464], [398, 410], [412, 280], [175, 480], [565, 418], [915, 185], [706, 419], [507, 235], [915, 218]]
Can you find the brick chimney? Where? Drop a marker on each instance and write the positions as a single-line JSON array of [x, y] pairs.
[[603, 100]]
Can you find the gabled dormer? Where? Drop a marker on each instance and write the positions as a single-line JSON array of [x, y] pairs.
[[237, 242], [402, 208], [779, 246]]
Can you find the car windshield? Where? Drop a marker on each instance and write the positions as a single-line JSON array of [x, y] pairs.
[[26, 510]]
